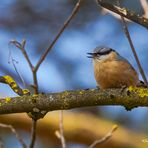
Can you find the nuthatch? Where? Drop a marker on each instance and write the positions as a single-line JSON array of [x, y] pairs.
[[112, 70]]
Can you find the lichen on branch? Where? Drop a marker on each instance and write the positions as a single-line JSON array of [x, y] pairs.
[[131, 15], [128, 98]]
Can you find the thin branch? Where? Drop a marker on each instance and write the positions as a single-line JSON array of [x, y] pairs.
[[21, 46], [105, 138], [131, 98], [125, 13], [105, 11], [15, 133], [14, 86], [62, 138], [144, 5], [74, 12], [33, 133], [1, 143], [35, 81], [60, 133], [14, 62], [125, 28]]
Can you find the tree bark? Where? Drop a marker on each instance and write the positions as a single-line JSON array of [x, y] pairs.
[[129, 98]]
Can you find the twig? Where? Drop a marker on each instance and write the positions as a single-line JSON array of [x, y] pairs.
[[75, 10], [144, 5], [35, 81], [63, 143], [14, 62], [125, 13], [1, 143], [15, 133], [60, 133], [105, 11], [21, 46], [14, 86], [105, 138], [33, 133], [125, 28]]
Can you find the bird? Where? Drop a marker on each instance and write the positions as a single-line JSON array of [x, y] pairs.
[[111, 70]]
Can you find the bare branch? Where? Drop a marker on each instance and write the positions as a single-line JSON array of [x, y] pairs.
[[125, 13], [14, 86], [21, 46], [33, 133], [131, 98], [1, 143], [35, 80], [125, 28], [15, 133], [60, 133], [74, 12], [105, 138], [14, 62], [62, 138]]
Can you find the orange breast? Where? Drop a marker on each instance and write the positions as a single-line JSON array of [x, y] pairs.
[[115, 74]]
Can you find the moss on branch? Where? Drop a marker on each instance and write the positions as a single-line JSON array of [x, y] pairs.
[[129, 98]]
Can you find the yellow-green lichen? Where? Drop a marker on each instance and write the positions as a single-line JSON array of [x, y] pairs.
[[65, 104], [142, 92], [33, 100], [0, 104], [7, 100], [63, 97], [8, 79], [35, 95], [64, 94], [16, 90], [29, 114], [81, 92], [25, 91], [14, 85], [124, 11]]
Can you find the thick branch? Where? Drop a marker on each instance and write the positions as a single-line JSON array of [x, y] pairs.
[[134, 97], [125, 13]]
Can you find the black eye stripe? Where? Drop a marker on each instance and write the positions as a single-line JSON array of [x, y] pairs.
[[104, 52]]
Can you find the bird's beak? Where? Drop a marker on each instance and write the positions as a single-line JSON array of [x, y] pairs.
[[91, 55]]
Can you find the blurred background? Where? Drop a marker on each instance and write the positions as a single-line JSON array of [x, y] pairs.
[[67, 66]]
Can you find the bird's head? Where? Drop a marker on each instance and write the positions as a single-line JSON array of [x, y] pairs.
[[103, 54]]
